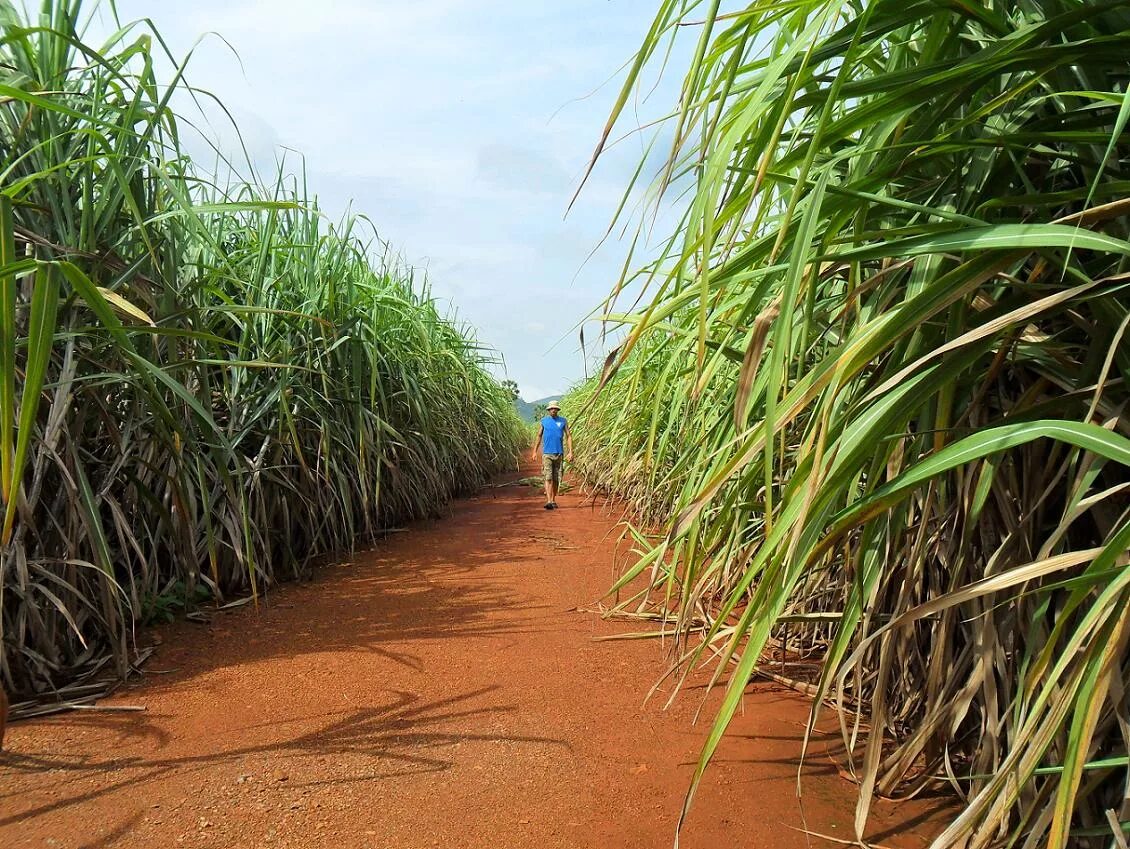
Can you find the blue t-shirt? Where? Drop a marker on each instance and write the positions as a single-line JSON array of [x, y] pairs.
[[553, 435]]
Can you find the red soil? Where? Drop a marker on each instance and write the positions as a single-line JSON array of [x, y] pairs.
[[440, 690]]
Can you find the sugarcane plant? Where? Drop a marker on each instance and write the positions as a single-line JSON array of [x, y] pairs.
[[205, 383], [873, 408]]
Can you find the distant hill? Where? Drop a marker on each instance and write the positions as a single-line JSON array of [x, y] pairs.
[[528, 409]]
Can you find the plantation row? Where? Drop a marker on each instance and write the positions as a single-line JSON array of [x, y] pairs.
[[875, 399], [204, 385]]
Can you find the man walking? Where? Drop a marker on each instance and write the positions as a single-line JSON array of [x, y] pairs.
[[554, 440]]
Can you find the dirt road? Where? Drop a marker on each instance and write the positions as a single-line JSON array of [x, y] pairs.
[[440, 690]]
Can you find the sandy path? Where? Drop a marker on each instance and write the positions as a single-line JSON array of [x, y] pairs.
[[438, 691]]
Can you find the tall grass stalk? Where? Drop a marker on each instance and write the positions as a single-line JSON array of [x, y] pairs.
[[876, 400], [204, 385]]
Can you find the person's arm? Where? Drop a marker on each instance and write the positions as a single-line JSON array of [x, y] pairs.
[[537, 441], [569, 442]]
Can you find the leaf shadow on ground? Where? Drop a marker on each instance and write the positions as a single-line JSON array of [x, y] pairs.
[[403, 737], [426, 583]]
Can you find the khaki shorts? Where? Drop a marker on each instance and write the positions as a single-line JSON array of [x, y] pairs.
[[551, 467]]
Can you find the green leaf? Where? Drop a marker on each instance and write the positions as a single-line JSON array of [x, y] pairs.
[[41, 337]]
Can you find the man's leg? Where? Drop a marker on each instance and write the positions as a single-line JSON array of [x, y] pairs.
[[547, 479]]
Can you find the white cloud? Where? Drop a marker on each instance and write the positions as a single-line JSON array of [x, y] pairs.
[[517, 168]]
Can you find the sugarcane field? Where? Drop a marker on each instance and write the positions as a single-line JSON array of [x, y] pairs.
[[615, 424]]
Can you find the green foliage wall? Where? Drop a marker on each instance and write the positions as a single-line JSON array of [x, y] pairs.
[[875, 398], [204, 385]]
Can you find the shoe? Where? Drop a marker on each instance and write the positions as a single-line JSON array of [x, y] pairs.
[[548, 506], [553, 505]]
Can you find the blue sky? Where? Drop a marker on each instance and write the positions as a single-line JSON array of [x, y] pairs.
[[460, 127]]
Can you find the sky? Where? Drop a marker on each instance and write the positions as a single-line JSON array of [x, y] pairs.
[[461, 128]]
